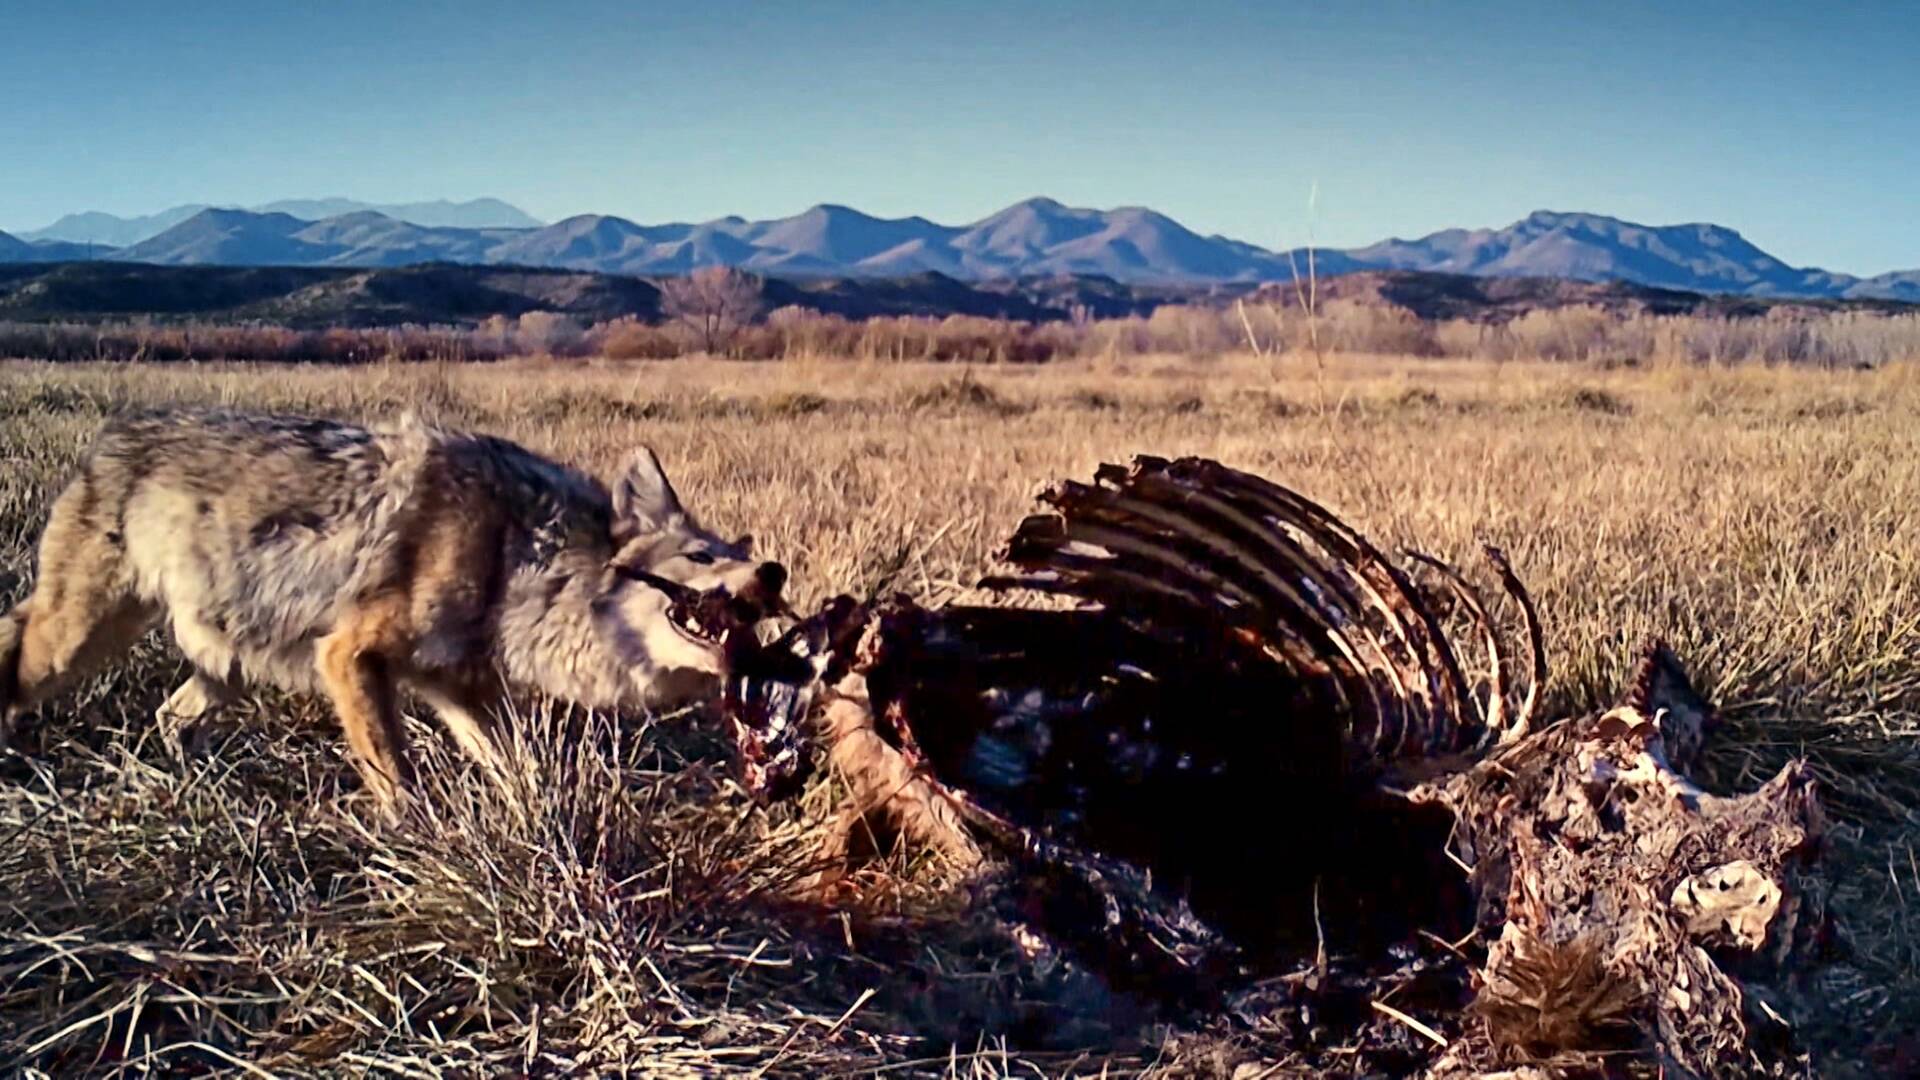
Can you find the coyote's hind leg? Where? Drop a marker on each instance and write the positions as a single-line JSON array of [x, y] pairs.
[[83, 611]]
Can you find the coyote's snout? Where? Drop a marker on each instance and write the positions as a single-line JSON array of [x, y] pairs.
[[322, 557]]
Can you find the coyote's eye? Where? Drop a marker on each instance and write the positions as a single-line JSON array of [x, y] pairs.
[[700, 557]]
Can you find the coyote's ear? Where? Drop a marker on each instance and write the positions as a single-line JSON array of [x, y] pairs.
[[745, 543], [643, 499]]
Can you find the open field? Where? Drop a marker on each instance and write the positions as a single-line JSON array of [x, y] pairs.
[[234, 912]]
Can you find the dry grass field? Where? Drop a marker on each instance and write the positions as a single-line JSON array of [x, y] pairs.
[[239, 912]]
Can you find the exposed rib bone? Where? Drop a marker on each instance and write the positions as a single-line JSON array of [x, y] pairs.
[[1536, 644], [1495, 710]]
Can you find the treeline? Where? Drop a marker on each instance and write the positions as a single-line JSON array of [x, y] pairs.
[[1835, 339]]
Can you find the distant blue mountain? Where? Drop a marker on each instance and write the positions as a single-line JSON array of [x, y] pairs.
[[1036, 238], [95, 227], [1590, 247], [439, 213], [108, 230], [15, 250]]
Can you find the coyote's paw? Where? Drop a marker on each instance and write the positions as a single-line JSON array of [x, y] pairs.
[[185, 719]]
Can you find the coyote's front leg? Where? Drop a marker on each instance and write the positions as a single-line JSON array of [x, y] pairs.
[[357, 663]]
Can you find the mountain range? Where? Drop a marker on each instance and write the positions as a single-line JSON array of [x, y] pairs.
[[1036, 238], [110, 231]]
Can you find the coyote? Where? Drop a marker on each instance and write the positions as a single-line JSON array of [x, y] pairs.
[[318, 556]]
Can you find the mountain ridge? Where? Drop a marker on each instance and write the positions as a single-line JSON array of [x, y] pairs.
[[1037, 237], [112, 230], [14, 249]]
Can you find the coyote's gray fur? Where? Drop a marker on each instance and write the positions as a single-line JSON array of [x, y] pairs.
[[319, 556]]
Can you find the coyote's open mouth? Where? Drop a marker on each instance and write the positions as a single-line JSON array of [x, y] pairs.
[[712, 617], [768, 686]]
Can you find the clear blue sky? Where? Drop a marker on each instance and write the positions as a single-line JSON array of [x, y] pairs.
[[1797, 123]]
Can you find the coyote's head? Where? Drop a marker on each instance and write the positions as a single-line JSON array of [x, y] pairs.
[[678, 589]]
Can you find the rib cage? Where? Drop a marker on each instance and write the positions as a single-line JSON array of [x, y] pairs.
[[1181, 765], [1180, 548]]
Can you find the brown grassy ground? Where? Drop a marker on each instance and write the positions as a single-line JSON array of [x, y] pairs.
[[231, 912]]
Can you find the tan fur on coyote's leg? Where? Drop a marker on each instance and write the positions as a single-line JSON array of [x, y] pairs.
[[471, 725], [58, 647], [356, 671], [82, 612]]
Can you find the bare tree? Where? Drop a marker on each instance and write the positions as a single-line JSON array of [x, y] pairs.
[[713, 302]]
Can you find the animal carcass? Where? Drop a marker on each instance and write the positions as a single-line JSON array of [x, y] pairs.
[[1247, 737]]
